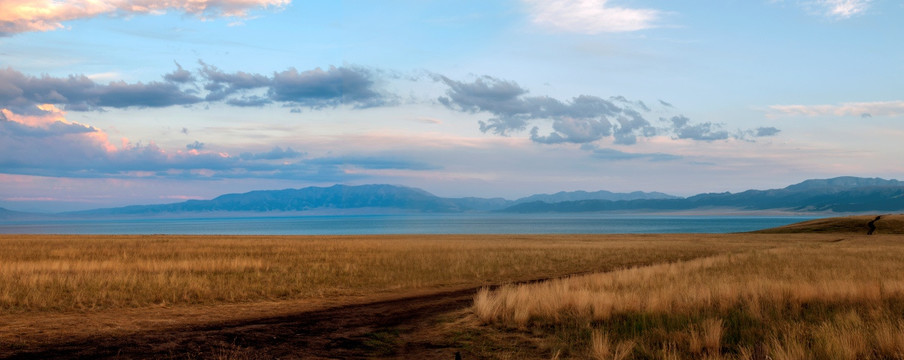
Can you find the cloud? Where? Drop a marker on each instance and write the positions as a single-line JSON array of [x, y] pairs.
[[315, 88], [319, 88], [221, 84], [616, 155], [583, 119], [840, 9], [49, 124], [766, 131], [683, 129], [590, 16], [180, 75], [48, 145], [876, 108], [197, 145], [277, 153], [77, 92], [573, 131], [380, 163], [17, 16]]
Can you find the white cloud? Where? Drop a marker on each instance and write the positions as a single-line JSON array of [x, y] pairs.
[[876, 108], [18, 16], [844, 8], [590, 16], [836, 9]]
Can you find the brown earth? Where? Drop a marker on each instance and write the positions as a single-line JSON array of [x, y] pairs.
[[411, 325], [396, 327], [858, 224]]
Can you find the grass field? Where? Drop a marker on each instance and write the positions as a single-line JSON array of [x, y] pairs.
[[51, 273], [814, 295], [831, 300]]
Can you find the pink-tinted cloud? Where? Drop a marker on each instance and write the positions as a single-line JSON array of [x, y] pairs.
[[863, 109], [17, 16], [46, 144], [590, 16]]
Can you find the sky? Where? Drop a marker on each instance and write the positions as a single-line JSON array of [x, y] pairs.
[[107, 103]]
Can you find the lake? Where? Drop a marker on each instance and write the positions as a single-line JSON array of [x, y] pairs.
[[405, 224]]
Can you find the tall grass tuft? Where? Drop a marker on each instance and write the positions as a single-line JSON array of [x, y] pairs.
[[799, 301], [59, 273]]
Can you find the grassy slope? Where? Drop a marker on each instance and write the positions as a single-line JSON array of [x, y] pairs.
[[887, 224], [56, 287], [829, 292]]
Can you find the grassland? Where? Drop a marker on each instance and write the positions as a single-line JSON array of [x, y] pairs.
[[808, 300], [817, 295], [47, 273]]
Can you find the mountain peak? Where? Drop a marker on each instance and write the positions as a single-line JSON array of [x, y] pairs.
[[842, 183]]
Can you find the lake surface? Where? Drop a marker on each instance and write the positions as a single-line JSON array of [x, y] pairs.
[[406, 224]]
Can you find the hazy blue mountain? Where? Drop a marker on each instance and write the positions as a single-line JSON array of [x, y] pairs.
[[374, 197], [309, 198], [843, 194], [7, 214], [596, 195], [481, 204]]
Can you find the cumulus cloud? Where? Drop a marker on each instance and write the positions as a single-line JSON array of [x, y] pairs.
[[876, 108], [683, 129], [766, 131], [320, 88], [590, 16], [840, 9], [197, 145], [375, 163], [277, 153], [583, 119], [17, 16], [180, 75], [616, 155], [315, 88], [47, 144], [220, 84], [77, 92]]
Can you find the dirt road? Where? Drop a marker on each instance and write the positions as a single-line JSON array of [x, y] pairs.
[[346, 332]]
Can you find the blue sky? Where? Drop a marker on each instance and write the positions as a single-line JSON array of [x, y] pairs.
[[115, 102]]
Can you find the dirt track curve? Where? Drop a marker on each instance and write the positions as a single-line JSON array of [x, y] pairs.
[[346, 332]]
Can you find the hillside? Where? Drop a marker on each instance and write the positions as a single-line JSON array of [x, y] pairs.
[[343, 197], [309, 198], [843, 194], [596, 195], [862, 224], [837, 195]]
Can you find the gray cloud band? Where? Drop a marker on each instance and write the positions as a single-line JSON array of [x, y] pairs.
[[581, 120], [315, 88]]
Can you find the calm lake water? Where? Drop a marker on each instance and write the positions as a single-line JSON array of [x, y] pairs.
[[406, 224]]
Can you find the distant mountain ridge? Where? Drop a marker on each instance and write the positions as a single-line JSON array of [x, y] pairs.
[[597, 195], [348, 197], [309, 198], [841, 194]]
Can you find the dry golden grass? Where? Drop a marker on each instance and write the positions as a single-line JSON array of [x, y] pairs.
[[55, 273], [830, 300], [858, 224]]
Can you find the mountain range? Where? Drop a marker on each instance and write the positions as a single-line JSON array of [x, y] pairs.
[[841, 194]]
